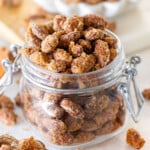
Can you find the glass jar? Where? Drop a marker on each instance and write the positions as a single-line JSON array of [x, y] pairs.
[[78, 110]]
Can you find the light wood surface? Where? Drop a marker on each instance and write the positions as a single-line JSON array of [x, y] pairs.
[[11, 20]]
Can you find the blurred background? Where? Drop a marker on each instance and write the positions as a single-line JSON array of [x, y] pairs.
[[128, 18]]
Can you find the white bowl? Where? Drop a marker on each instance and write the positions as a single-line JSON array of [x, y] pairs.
[[107, 9]]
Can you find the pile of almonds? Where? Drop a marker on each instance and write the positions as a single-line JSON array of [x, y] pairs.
[[71, 45]]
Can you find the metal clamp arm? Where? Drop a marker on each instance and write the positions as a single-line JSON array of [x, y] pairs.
[[125, 88], [10, 68]]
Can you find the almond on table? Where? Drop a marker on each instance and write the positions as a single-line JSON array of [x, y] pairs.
[[7, 115], [146, 94], [134, 139], [8, 142]]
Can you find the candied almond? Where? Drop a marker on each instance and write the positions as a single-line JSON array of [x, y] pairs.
[[49, 44], [41, 28], [134, 139], [67, 38], [58, 22], [31, 39], [146, 94], [75, 49], [51, 125], [73, 124], [90, 107], [102, 52], [53, 98], [89, 125], [102, 103], [28, 50], [112, 42], [10, 143], [6, 139], [83, 64], [30, 144], [61, 54], [53, 110], [58, 34], [5, 102], [60, 139], [87, 47], [96, 21], [108, 114], [39, 58], [107, 128], [7, 116], [5, 147], [73, 109], [57, 66], [74, 23], [93, 34]]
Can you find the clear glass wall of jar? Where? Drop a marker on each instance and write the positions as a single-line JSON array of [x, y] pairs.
[[74, 110]]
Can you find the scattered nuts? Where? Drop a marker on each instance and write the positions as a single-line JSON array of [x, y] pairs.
[[134, 139]]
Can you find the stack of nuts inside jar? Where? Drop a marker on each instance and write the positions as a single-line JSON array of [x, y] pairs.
[[72, 46]]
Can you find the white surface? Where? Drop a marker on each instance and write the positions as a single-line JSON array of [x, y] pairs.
[[134, 28]]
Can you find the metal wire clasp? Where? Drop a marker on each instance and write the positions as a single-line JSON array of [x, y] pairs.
[[10, 68], [125, 88]]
